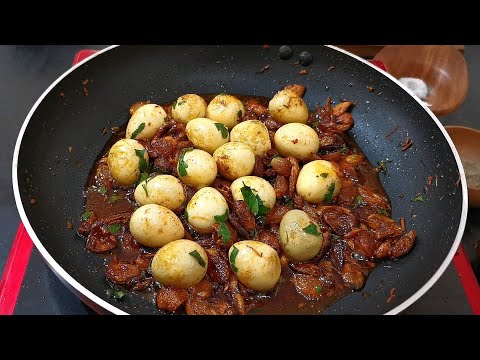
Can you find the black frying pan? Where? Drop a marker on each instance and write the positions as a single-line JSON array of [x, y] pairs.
[[44, 169]]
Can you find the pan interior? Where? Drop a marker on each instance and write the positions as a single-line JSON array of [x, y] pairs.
[[54, 176]]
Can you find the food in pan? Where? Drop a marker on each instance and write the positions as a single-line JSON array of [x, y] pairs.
[[233, 204]]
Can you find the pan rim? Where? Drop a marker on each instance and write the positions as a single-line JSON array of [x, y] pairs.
[[69, 281]]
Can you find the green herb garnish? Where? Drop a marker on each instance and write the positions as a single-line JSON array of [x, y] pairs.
[[223, 129], [382, 166], [254, 203], [419, 198], [311, 229], [221, 218], [382, 212], [86, 215], [329, 195], [174, 105], [114, 228], [185, 213], [115, 293], [358, 201], [182, 165], [142, 163], [198, 257], [318, 289], [233, 257], [103, 190], [144, 186], [239, 114], [224, 233], [324, 175], [335, 236], [288, 202], [144, 176], [138, 131], [114, 198], [343, 149]]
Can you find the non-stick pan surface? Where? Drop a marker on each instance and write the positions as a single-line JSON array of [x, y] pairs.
[[45, 170]]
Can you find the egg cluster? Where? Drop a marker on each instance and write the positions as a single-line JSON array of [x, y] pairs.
[[225, 144]]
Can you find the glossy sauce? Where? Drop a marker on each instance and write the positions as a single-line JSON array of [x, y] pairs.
[[284, 299]]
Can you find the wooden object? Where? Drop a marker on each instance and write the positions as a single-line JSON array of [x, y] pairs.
[[369, 51], [467, 142], [442, 67]]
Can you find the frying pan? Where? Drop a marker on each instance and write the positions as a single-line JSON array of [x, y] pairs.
[[45, 170]]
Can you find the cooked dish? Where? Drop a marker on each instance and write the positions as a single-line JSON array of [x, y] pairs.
[[238, 204]]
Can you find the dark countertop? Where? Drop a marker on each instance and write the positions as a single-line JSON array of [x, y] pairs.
[[26, 71]]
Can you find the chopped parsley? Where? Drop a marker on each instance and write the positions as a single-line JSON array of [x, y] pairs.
[[224, 233], [223, 130], [358, 201], [86, 215], [233, 257], [318, 289], [114, 198], [288, 202], [329, 195], [221, 218], [103, 190], [239, 114], [254, 203], [115, 293], [144, 186], [185, 213], [118, 294], [311, 229], [174, 105], [382, 166], [324, 175], [343, 149], [182, 165], [198, 257], [382, 212], [142, 163], [143, 177], [223, 229], [138, 130], [114, 228], [419, 198]]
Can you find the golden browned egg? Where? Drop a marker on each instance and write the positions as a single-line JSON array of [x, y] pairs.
[[124, 161], [165, 190], [254, 134], [255, 264], [287, 107], [234, 159], [206, 134], [300, 236], [203, 207], [259, 186], [317, 182], [154, 225], [197, 168], [225, 109], [145, 122], [181, 263], [189, 107], [297, 140]]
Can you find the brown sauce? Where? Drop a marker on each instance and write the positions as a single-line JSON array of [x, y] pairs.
[[357, 222]]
